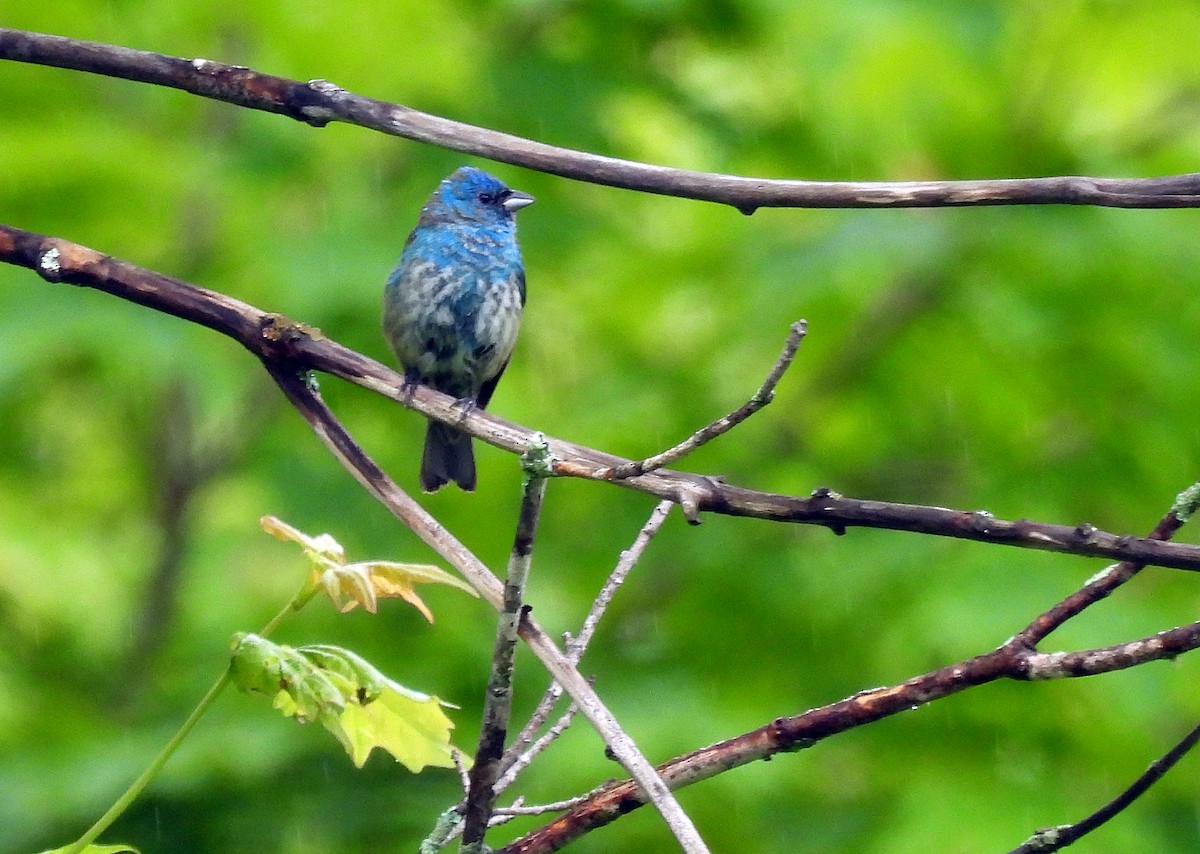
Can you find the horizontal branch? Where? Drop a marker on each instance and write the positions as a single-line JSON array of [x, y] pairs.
[[276, 338], [319, 102]]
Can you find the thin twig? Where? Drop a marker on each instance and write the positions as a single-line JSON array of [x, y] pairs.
[[333, 434], [502, 815], [464, 776], [764, 395], [319, 102], [524, 748], [519, 762], [497, 706], [578, 645], [1112, 577], [510, 812], [523, 744], [1055, 838]]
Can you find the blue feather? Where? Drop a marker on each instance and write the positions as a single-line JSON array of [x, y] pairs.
[[452, 307]]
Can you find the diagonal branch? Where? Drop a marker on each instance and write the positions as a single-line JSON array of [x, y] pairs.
[[1016, 659], [789, 734], [1105, 582], [764, 395], [274, 337], [1056, 838], [365, 470], [319, 102]]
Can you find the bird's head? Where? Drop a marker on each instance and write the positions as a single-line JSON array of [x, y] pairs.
[[472, 195]]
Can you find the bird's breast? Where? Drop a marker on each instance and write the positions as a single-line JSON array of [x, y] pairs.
[[452, 311]]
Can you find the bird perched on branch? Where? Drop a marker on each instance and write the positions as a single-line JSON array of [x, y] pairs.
[[453, 305]]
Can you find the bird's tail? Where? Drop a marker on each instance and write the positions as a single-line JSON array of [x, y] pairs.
[[448, 457]]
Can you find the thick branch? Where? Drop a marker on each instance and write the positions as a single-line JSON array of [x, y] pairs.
[[277, 338], [320, 102]]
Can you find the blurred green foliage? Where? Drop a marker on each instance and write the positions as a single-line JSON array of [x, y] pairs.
[[1035, 362]]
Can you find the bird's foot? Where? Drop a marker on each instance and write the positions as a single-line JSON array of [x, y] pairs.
[[465, 406], [411, 380]]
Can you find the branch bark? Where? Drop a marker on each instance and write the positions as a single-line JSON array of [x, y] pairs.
[[319, 102], [497, 704], [274, 337], [1057, 838]]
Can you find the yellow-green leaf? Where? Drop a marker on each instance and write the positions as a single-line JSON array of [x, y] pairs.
[[299, 687], [350, 584], [320, 549], [385, 579], [410, 726]]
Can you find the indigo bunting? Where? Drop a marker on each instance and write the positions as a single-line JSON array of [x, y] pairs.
[[452, 307]]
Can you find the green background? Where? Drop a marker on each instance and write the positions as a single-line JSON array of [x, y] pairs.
[[1039, 363]]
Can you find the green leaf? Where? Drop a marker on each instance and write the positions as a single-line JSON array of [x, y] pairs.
[[300, 689], [350, 697], [98, 849], [363, 678]]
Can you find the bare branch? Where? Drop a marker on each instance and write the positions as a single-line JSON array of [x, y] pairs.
[[788, 734], [524, 749], [1091, 662], [520, 761], [1016, 659], [1105, 582], [320, 102], [764, 395], [1055, 838], [578, 645], [497, 706], [519, 808], [464, 776], [276, 338], [335, 437]]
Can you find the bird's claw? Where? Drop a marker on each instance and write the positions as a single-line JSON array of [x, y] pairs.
[[408, 387], [465, 406]]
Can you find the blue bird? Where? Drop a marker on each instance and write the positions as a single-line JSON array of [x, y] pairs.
[[453, 305]]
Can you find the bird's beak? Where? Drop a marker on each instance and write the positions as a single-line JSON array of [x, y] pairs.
[[517, 200]]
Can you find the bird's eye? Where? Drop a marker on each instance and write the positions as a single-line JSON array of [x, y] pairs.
[[487, 198]]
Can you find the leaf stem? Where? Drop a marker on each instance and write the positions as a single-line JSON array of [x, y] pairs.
[[122, 803], [302, 598]]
